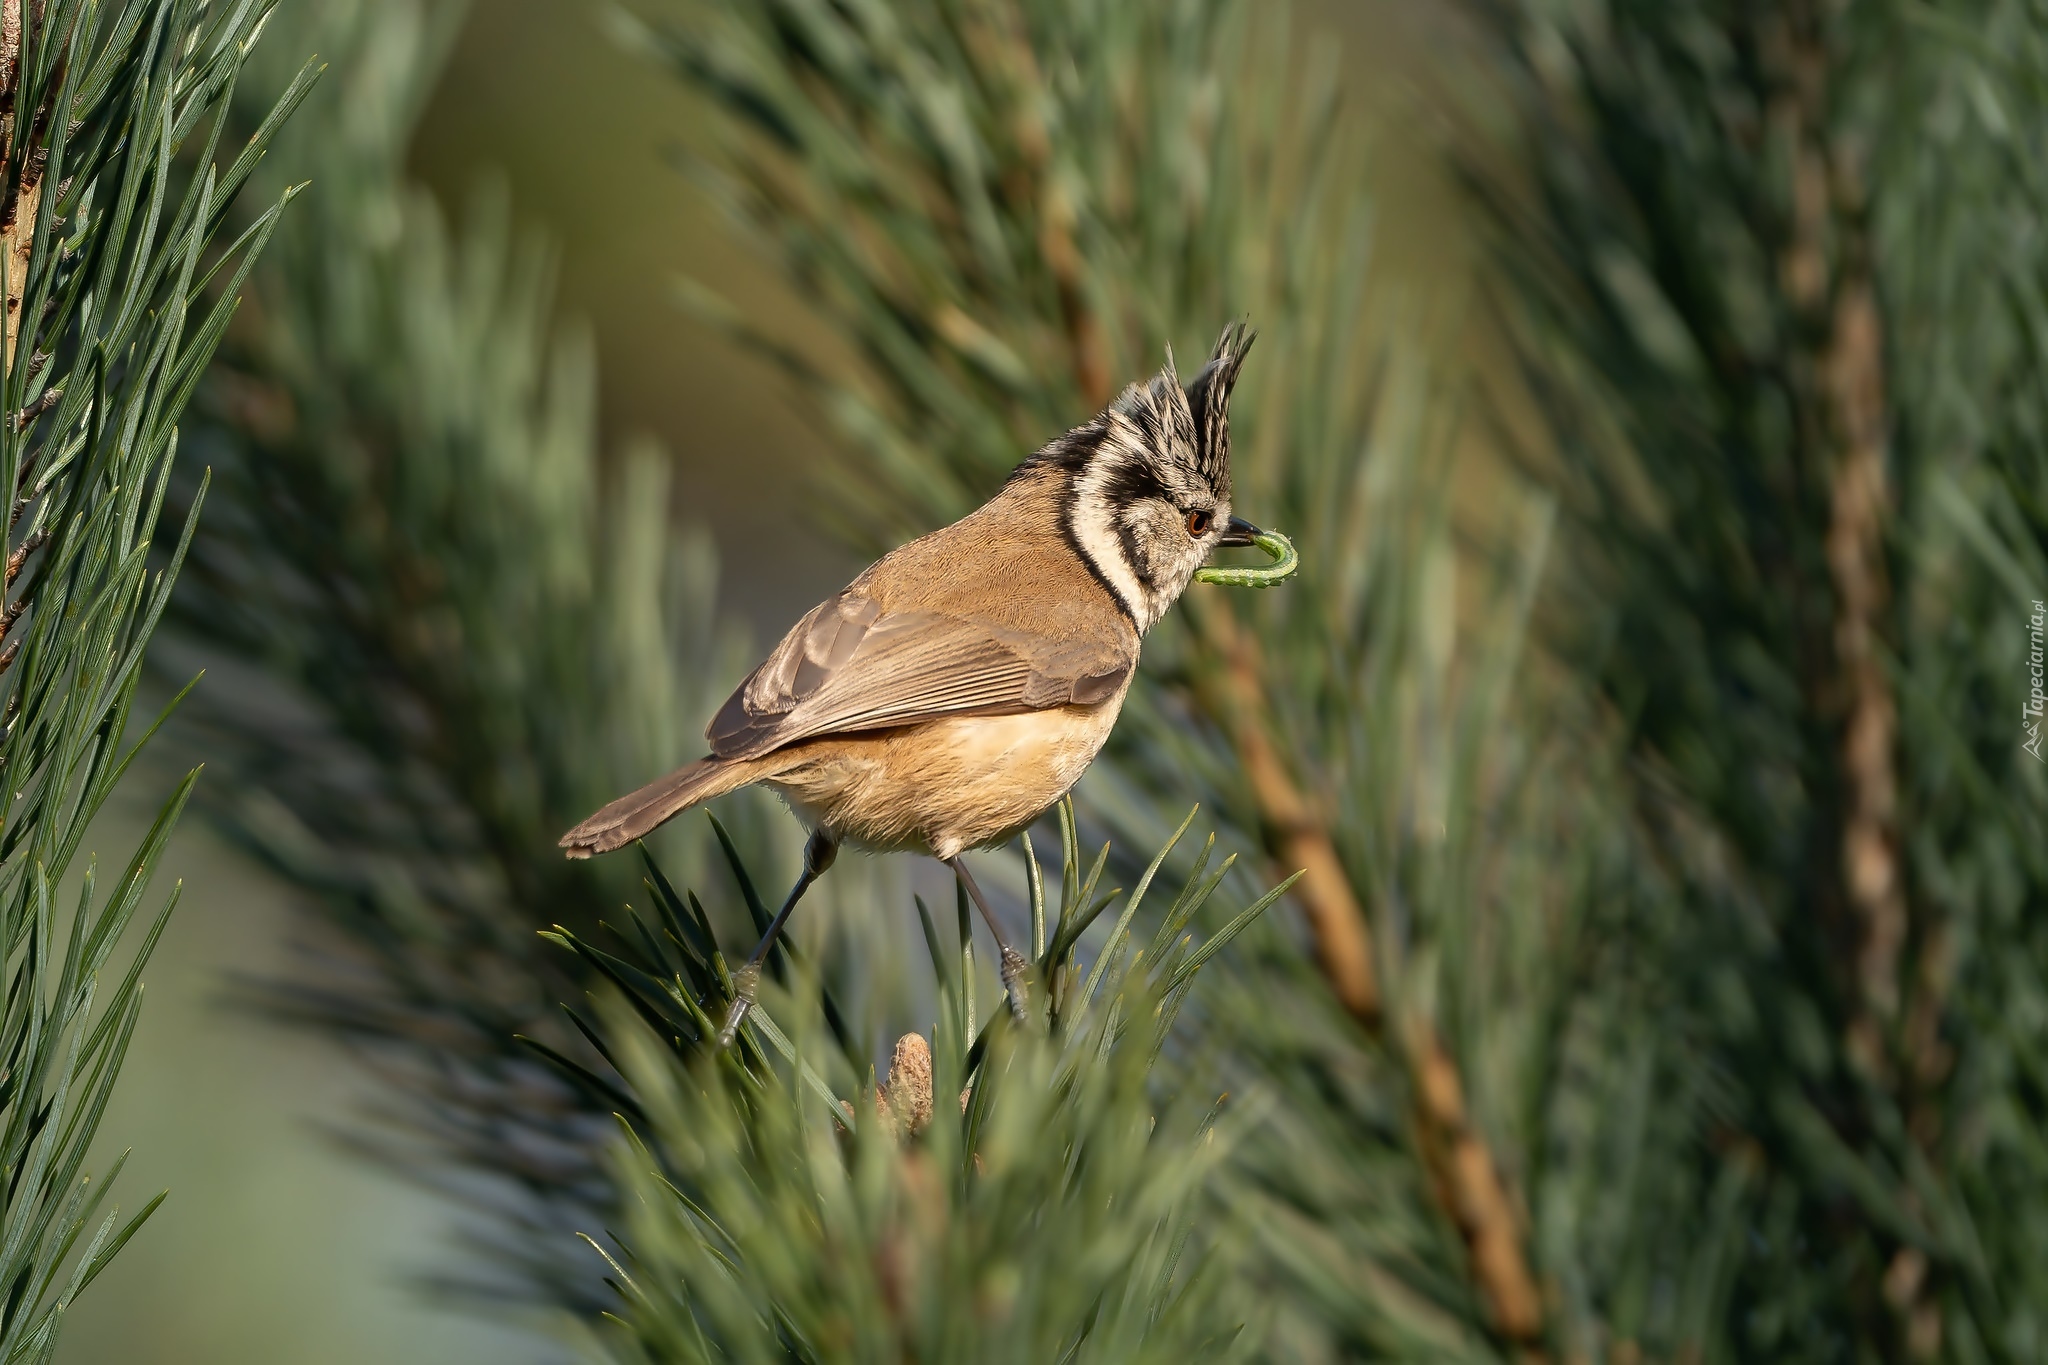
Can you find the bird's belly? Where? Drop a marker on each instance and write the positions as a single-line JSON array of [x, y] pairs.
[[949, 784]]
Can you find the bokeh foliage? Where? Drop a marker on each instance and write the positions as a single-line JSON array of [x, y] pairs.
[[440, 625], [1666, 977], [1746, 262]]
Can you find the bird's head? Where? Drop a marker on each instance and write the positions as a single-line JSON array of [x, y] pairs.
[[1148, 492]]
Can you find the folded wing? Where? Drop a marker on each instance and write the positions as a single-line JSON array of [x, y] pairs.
[[849, 666]]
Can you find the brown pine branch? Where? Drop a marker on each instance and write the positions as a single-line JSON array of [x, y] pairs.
[[1852, 376], [1827, 272], [1470, 1187], [22, 185], [15, 240], [18, 231], [10, 49], [1087, 347], [49, 399], [1063, 259], [1463, 1173], [1295, 834], [35, 541]]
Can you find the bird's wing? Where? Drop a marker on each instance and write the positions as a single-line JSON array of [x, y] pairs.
[[851, 666]]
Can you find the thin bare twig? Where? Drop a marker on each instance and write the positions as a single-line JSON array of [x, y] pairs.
[[49, 399], [35, 542], [1827, 272]]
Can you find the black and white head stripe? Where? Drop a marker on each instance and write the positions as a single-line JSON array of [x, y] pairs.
[[1157, 454], [1123, 471]]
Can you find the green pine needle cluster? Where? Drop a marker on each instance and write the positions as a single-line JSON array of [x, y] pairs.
[[440, 622], [117, 293], [1667, 978], [780, 1205]]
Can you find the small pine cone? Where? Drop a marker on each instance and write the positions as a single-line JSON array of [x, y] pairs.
[[907, 1098]]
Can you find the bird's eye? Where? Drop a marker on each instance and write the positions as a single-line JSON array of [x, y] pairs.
[[1199, 522]]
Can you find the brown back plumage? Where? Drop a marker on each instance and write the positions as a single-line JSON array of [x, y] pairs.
[[991, 615]]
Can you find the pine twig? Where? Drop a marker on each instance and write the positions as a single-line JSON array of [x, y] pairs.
[[1469, 1185], [15, 240], [15, 561], [1854, 421], [1852, 376], [18, 218], [49, 399], [1295, 834], [11, 613], [1464, 1175], [20, 228]]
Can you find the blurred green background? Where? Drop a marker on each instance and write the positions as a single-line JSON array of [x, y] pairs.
[[237, 1117], [1668, 476], [1620, 1004]]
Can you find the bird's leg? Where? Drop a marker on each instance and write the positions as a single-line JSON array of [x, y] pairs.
[[1013, 961], [746, 982]]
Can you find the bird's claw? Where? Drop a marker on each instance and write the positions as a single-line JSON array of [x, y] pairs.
[[1014, 982], [746, 984]]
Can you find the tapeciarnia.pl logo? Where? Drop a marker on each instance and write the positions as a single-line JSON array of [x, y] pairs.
[[2037, 699]]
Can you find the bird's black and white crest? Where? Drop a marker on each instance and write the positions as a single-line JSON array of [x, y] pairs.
[[1208, 399], [1149, 480]]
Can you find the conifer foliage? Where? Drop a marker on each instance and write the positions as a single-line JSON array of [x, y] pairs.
[[111, 201], [1774, 284], [1665, 978], [1000, 206], [446, 630], [1052, 1212]]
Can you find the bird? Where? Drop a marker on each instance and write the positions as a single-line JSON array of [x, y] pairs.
[[956, 689]]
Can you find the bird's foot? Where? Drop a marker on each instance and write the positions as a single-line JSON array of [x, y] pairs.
[[746, 984], [1015, 982]]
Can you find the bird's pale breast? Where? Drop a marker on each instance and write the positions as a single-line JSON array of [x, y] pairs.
[[947, 785]]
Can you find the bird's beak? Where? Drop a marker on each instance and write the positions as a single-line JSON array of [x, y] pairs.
[[1239, 532]]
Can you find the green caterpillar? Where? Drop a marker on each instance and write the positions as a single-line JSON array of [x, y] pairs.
[[1285, 563]]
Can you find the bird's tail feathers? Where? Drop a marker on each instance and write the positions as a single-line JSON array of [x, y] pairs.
[[637, 814]]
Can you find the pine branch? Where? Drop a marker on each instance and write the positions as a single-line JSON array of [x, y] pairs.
[[1826, 267], [448, 626], [1009, 1194], [103, 99], [1295, 834]]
